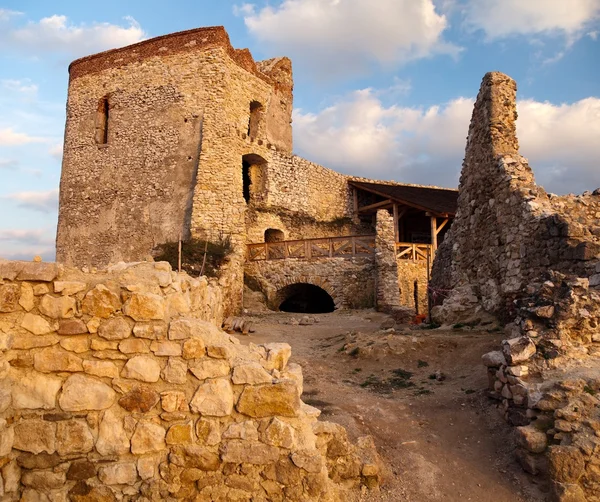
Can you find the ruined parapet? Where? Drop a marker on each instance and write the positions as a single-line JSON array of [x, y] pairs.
[[118, 385], [386, 266]]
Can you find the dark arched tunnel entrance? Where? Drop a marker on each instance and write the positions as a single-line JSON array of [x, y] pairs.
[[305, 298]]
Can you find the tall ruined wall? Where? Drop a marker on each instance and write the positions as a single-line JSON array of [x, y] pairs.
[[508, 231], [412, 282], [113, 386]]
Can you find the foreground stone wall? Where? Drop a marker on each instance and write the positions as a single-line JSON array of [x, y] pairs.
[[533, 260], [118, 385]]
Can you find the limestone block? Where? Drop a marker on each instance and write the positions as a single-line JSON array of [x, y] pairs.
[[173, 400], [278, 433], [38, 325], [566, 463], [35, 436], [518, 350], [214, 398], [142, 368], [493, 359], [147, 438], [175, 371], [77, 344], [180, 434], [180, 329], [208, 431], [99, 344], [43, 480], [278, 355], [121, 473], [7, 438], [11, 473], [210, 368], [219, 351], [52, 359], [151, 331], [100, 302], [145, 307], [62, 307], [165, 348], [9, 297], [250, 452], [83, 393], [208, 332], [139, 400], [198, 457], [68, 288], [178, 303], [147, 467], [134, 345], [193, 348], [531, 438], [33, 390], [278, 399], [81, 469], [242, 430], [27, 299], [293, 372], [41, 289], [112, 438], [37, 271], [101, 368], [114, 329], [71, 327], [73, 437], [250, 373], [309, 460], [82, 492], [26, 342]]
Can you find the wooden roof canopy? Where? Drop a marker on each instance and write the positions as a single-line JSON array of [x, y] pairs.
[[441, 202]]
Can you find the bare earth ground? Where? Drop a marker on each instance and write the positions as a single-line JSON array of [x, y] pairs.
[[440, 440]]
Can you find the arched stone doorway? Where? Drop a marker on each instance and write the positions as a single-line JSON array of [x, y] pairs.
[[274, 235], [253, 178], [304, 298]]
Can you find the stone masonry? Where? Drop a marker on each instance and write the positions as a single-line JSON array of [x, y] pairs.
[[117, 385], [388, 293], [531, 259]]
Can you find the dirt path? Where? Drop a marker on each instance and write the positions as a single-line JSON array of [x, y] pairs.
[[442, 439]]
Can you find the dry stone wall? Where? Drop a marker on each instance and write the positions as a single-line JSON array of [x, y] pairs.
[[117, 385], [412, 281], [388, 293]]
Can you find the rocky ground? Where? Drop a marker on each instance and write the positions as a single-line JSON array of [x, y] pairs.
[[419, 393]]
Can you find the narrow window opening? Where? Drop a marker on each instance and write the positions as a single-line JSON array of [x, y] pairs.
[[274, 235], [102, 117], [254, 121], [246, 179], [253, 178]]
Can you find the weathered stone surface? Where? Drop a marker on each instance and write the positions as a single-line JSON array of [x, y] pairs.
[[39, 461], [100, 302], [82, 393], [122, 473], [139, 400], [210, 368], [165, 348], [201, 458], [142, 368], [145, 307], [146, 467], [147, 438], [279, 399], [173, 400], [250, 452], [114, 329], [242, 430], [532, 439], [150, 331], [278, 433], [134, 345], [193, 348], [112, 438], [493, 359], [34, 390], [35, 436], [213, 398], [98, 344], [73, 437], [175, 371], [250, 373], [566, 463], [9, 297], [7, 437], [68, 288], [26, 342], [101, 368], [278, 355], [72, 327], [81, 469], [179, 434], [83, 492], [27, 299], [11, 473], [38, 325], [51, 360], [43, 480], [77, 344], [518, 350], [37, 271], [62, 307], [208, 431], [309, 460]]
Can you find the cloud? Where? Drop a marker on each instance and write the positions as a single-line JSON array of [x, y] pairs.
[[6, 14], [56, 151], [34, 237], [56, 34], [43, 201], [8, 137], [346, 36], [505, 18], [8, 163], [426, 145], [21, 86]]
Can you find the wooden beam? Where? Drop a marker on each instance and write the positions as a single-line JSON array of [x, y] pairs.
[[439, 228], [377, 205], [434, 233], [395, 209]]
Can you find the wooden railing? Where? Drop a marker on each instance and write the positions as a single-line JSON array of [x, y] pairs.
[[329, 247], [413, 251]]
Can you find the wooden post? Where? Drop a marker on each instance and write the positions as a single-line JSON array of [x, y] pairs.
[[396, 237], [355, 201], [179, 257], [428, 279], [433, 233]]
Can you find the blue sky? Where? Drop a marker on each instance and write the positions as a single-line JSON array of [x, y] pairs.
[[383, 88]]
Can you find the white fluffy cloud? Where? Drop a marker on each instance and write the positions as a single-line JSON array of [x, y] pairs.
[[344, 36], [56, 34], [359, 135], [44, 201], [56, 151], [28, 237], [21, 86], [502, 18], [10, 137]]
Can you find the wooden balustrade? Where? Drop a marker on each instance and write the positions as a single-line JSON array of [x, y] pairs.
[[329, 247], [413, 251]]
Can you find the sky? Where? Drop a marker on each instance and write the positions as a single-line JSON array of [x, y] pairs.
[[383, 88]]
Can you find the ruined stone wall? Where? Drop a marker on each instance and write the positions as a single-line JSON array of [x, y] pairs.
[[349, 281], [412, 281], [388, 294], [118, 385]]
